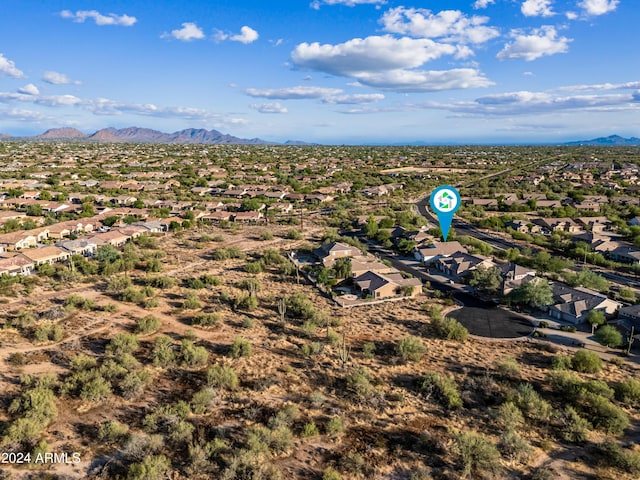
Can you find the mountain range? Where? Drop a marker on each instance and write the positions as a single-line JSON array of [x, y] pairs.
[[142, 135], [611, 140]]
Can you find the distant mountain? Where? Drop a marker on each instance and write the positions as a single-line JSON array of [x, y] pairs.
[[613, 140], [4, 135], [189, 135], [142, 135], [62, 134]]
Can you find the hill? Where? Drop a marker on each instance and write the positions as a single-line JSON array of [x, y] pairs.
[[615, 140], [62, 134]]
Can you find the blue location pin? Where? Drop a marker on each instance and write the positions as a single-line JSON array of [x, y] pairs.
[[445, 200]]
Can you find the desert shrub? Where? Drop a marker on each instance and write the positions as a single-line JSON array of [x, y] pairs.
[[628, 392], [561, 362], [122, 343], [604, 415], [147, 324], [476, 454], [575, 429], [335, 426], [354, 463], [513, 447], [531, 403], [330, 473], [309, 328], [163, 354], [206, 319], [222, 376], [443, 387], [140, 445], [285, 417], [449, 328], [134, 383], [96, 389], [202, 400], [48, 332], [162, 282], [192, 355], [191, 302], [266, 235], [294, 234], [241, 347], [152, 467], [246, 302], [610, 454], [227, 253], [508, 367], [369, 350], [586, 361], [37, 404], [310, 430], [77, 301], [262, 439], [113, 431], [132, 295], [180, 432], [410, 349], [116, 285], [253, 268], [509, 415], [299, 305], [359, 383]]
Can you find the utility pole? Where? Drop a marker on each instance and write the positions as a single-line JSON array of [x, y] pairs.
[[631, 339]]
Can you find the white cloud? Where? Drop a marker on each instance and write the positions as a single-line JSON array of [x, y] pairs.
[[375, 53], [349, 3], [21, 115], [246, 35], [571, 15], [537, 8], [110, 19], [598, 7], [57, 78], [449, 25], [426, 80], [274, 107], [59, 100], [542, 42], [189, 31], [354, 99], [29, 89], [8, 67], [601, 87], [389, 63], [482, 4], [293, 93]]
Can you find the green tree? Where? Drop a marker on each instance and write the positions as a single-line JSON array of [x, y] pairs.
[[595, 318], [486, 280], [537, 293], [609, 336]]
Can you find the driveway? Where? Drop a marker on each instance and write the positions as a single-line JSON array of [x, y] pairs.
[[492, 322]]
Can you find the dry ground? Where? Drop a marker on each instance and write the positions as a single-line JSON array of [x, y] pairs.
[[394, 432]]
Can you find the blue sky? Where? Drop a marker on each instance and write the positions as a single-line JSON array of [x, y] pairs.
[[329, 71]]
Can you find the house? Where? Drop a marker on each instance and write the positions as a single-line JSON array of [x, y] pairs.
[[217, 216], [574, 304], [381, 286], [48, 255], [114, 238], [16, 265], [437, 250], [330, 252], [630, 317], [514, 275], [459, 264], [558, 224], [365, 263], [248, 216], [82, 246], [18, 240], [595, 224]]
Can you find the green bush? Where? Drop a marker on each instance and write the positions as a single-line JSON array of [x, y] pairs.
[[192, 355], [561, 362], [443, 387], [330, 473], [152, 467], [586, 361], [449, 328], [335, 426], [112, 431], [163, 354], [147, 324], [606, 416], [628, 392], [533, 406], [610, 454], [476, 454], [575, 428], [222, 376], [240, 348], [122, 343], [609, 336], [310, 430], [514, 447], [206, 319], [369, 350], [410, 349]]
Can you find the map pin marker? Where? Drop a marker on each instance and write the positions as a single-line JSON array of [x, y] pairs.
[[445, 201]]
